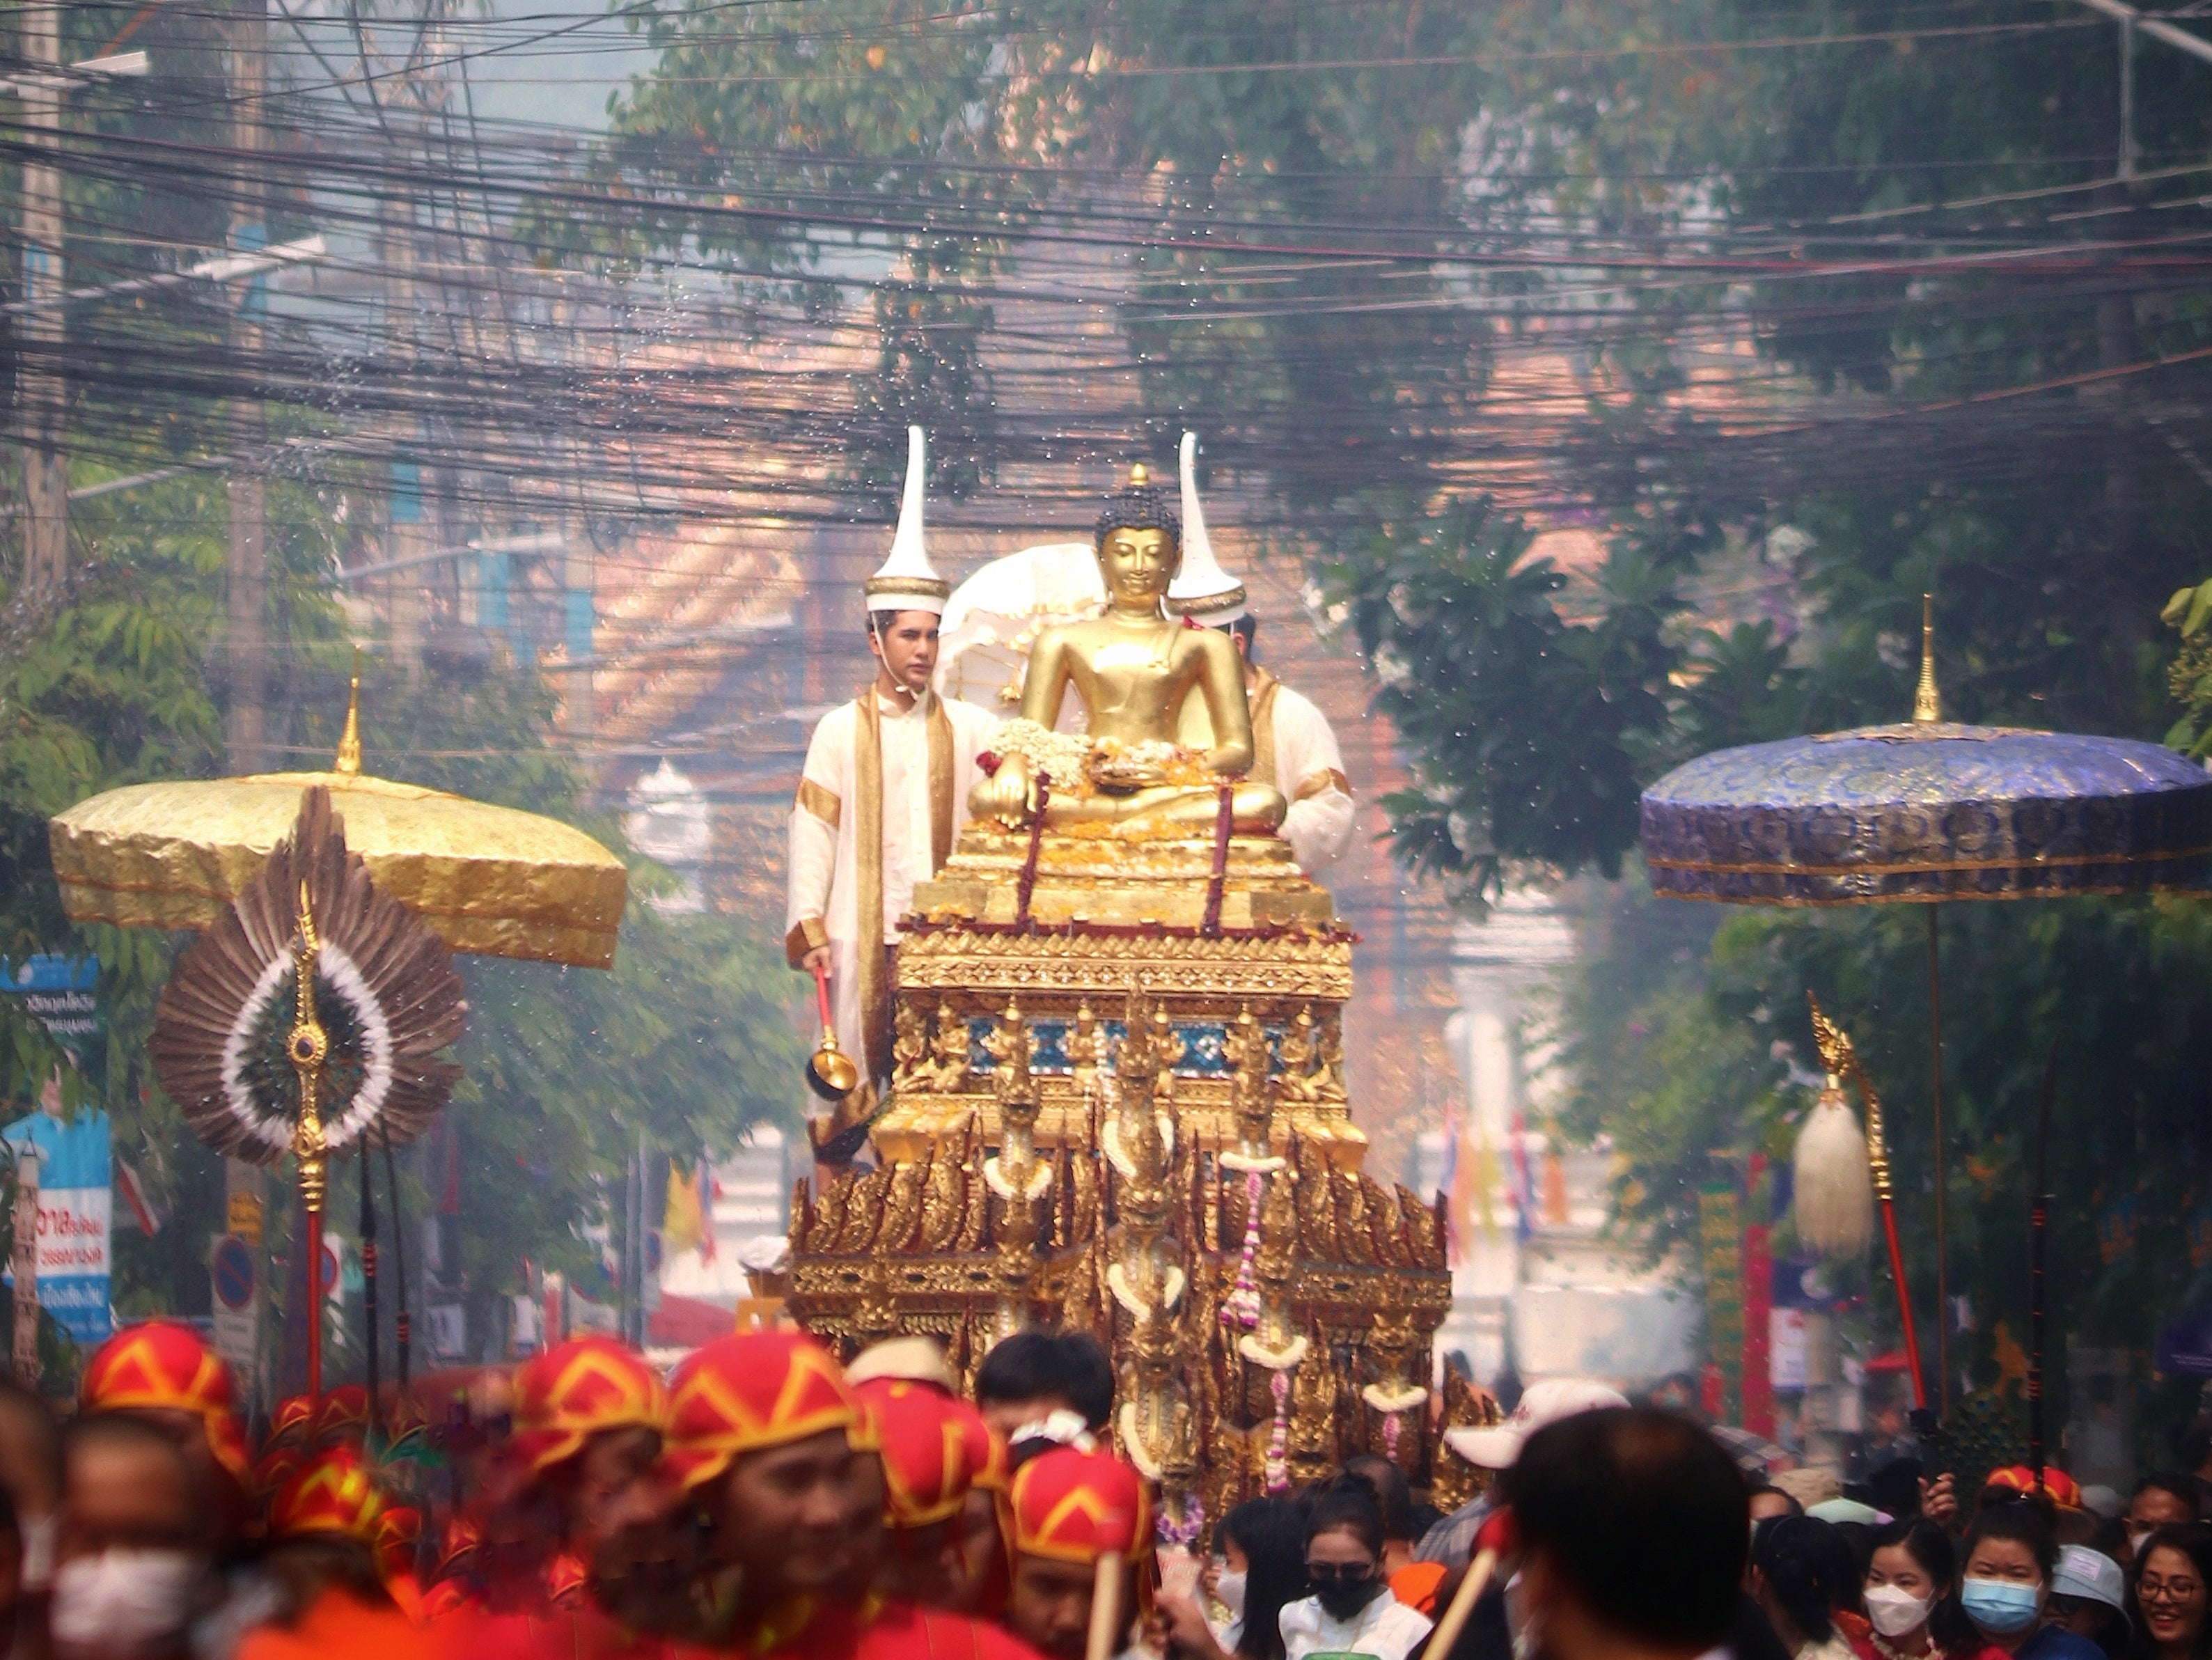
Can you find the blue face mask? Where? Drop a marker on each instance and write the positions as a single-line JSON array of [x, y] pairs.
[[2003, 1606]]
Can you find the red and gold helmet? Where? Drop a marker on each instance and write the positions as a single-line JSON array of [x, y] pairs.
[[332, 1493], [342, 1417], [930, 1457], [743, 1393], [161, 1366], [274, 1468], [578, 1390], [457, 1546], [293, 1423], [398, 1531], [1077, 1506], [2062, 1489], [565, 1578]]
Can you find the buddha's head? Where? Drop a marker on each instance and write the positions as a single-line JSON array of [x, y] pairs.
[[1138, 538]]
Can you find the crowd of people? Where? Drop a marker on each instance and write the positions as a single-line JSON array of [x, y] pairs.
[[764, 1500]]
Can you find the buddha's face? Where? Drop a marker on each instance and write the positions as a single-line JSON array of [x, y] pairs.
[[1139, 564]]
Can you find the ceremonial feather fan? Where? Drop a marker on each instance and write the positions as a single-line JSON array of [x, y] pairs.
[[385, 995]]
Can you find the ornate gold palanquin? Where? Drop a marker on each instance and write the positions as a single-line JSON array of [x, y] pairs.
[[1107, 1114]]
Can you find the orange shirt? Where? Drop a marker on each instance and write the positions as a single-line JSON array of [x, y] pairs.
[[337, 1626], [1415, 1585]]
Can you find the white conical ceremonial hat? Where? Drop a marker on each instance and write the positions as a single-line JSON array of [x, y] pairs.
[[1201, 590], [906, 581]]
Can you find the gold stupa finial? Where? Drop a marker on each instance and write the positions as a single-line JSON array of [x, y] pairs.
[[1927, 707], [349, 759], [1139, 475]]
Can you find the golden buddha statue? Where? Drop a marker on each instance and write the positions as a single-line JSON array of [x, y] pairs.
[[1135, 667]]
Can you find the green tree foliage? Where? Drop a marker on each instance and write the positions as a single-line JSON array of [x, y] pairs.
[[686, 1040]]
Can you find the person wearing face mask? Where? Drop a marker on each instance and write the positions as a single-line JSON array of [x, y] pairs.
[[2010, 1559], [1261, 1568], [1351, 1609], [2161, 1500], [132, 1560], [2174, 1593], [1909, 1576]]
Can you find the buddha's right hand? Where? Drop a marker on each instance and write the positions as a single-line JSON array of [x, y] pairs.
[[1005, 795]]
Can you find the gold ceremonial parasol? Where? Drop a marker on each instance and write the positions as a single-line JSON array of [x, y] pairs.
[[491, 880]]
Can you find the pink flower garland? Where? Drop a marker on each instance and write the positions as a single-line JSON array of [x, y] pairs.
[[1242, 1306], [1278, 1438]]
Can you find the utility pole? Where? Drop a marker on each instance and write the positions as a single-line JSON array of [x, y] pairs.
[[39, 387], [249, 548]]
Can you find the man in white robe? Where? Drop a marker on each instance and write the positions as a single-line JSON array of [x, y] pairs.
[[880, 802], [1292, 745]]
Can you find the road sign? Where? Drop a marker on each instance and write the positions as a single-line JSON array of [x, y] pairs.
[[234, 1269], [244, 1217]]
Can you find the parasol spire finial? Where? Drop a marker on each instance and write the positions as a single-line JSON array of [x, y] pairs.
[[1927, 705], [349, 757]]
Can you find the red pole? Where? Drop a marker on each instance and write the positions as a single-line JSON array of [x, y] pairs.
[[1904, 1303], [315, 1304]]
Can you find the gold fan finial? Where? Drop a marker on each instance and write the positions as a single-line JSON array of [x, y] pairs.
[[1841, 1061], [1927, 707], [307, 1046], [348, 763]]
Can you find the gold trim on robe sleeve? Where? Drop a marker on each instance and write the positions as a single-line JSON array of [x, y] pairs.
[[1320, 783], [807, 934], [822, 803]]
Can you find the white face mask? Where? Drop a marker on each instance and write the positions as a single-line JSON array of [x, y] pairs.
[[1229, 1592], [1892, 1612], [123, 1599]]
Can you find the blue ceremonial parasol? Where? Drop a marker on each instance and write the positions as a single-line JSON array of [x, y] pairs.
[[1922, 812]]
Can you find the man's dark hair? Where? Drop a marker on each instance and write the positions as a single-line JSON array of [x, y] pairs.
[[1761, 1491], [1347, 1506], [1067, 1364], [1393, 1493], [2024, 1521], [2197, 1444], [1245, 628], [2175, 1486], [1138, 507], [1643, 1516]]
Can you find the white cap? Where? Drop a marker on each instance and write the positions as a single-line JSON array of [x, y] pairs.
[[2090, 1575], [2106, 1501], [1847, 1510], [1202, 590], [913, 1360], [1547, 1403], [906, 581]]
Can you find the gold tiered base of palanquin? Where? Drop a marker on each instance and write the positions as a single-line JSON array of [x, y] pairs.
[[1106, 1115]]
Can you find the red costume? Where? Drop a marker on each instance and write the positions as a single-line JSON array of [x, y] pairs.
[[333, 1496]]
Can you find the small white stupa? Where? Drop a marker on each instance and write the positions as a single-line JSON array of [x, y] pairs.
[[1202, 591], [907, 580]]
